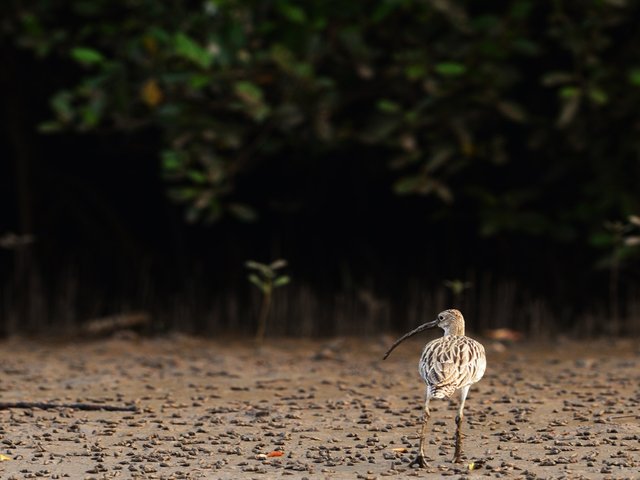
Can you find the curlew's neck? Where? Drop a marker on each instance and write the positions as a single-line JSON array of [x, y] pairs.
[[454, 328]]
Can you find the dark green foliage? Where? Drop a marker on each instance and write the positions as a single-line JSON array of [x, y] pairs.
[[522, 113]]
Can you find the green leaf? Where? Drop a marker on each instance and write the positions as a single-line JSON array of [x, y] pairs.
[[291, 12], [282, 56], [183, 194], [61, 104], [49, 127], [551, 79], [251, 95], [439, 158], [457, 286], [90, 116], [200, 80], [253, 278], [189, 49], [601, 239], [512, 111], [31, 24], [86, 56], [383, 9], [169, 112], [388, 106], [521, 9], [281, 281], [568, 111], [242, 212], [260, 267], [159, 34], [415, 71], [440, 189], [526, 47], [278, 264], [303, 70], [87, 8], [407, 185], [197, 176], [598, 96], [171, 160], [634, 77], [450, 69], [569, 92], [248, 92]]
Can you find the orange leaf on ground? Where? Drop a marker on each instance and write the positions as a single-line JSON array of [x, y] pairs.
[[275, 453], [504, 334]]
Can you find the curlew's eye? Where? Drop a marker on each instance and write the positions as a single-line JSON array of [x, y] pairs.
[[440, 317]]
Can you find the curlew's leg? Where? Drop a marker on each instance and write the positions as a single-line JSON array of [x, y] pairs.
[[459, 419], [420, 459]]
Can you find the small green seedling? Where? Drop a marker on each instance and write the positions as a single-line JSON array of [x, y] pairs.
[[266, 278], [457, 286]]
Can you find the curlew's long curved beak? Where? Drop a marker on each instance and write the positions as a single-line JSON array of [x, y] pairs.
[[422, 327]]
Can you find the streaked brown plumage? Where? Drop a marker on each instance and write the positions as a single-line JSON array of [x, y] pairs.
[[448, 364]]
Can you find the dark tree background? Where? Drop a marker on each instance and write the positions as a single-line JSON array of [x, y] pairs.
[[402, 155]]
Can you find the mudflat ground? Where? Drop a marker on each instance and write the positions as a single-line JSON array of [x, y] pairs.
[[315, 409]]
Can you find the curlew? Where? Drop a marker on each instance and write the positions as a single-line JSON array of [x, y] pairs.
[[449, 364]]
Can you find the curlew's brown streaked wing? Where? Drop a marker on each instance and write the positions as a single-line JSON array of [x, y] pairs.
[[451, 362]]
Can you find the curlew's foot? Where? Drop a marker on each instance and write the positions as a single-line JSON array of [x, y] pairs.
[[457, 458], [420, 461]]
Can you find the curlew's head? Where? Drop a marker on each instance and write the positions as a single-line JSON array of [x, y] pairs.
[[451, 321]]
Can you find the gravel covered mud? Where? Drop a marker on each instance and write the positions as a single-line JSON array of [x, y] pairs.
[[315, 409]]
